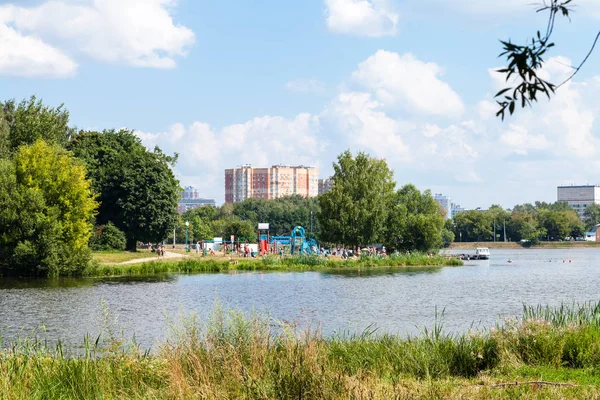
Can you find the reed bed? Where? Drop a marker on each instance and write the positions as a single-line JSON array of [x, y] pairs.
[[239, 356], [267, 264]]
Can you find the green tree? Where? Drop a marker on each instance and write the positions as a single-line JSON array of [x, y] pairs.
[[474, 226], [107, 237], [137, 189], [415, 221], [447, 237], [560, 224], [4, 136], [199, 227], [525, 62], [46, 209], [31, 120], [355, 211], [242, 230], [591, 216]]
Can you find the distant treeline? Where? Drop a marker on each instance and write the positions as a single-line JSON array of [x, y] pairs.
[[526, 222]]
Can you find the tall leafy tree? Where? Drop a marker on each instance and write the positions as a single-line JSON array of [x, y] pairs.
[[46, 209], [4, 136], [136, 187], [415, 220], [591, 216], [31, 120], [355, 211]]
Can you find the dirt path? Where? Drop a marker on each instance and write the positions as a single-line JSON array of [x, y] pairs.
[[168, 255]]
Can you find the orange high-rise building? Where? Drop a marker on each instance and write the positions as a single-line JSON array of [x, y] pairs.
[[270, 183]]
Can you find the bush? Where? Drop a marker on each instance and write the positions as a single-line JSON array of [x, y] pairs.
[[107, 237]]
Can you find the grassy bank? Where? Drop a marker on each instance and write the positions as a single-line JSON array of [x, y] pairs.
[[233, 356], [268, 264]]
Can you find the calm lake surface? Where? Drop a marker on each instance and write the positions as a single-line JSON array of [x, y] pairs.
[[395, 301]]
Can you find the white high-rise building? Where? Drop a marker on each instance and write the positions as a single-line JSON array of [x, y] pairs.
[[446, 203], [579, 197]]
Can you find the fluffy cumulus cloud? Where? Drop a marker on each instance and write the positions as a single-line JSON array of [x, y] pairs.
[[30, 57], [362, 125], [139, 33], [371, 18], [461, 150], [205, 152], [405, 81]]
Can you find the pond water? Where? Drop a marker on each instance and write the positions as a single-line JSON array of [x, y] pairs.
[[396, 301]]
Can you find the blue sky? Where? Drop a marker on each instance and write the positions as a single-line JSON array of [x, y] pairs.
[[227, 82]]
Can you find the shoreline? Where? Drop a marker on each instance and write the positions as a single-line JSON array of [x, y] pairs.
[[547, 353], [515, 245], [189, 265]]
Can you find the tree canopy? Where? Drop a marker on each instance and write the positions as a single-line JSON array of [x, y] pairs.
[[415, 221], [136, 187], [355, 211], [46, 211], [31, 120]]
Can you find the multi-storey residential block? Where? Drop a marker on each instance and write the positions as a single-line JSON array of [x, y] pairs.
[[445, 203], [456, 209], [325, 185], [270, 183], [579, 197], [190, 199]]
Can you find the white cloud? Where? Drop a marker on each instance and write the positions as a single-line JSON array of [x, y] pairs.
[[204, 153], [412, 84], [519, 140], [372, 18], [306, 86], [29, 56], [361, 124], [139, 33]]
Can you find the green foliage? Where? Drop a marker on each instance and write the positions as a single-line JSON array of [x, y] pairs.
[[283, 214], [447, 237], [414, 221], [137, 189], [591, 216], [237, 355], [107, 237], [474, 226], [31, 120], [46, 208], [233, 225], [526, 61], [355, 211], [527, 222], [4, 136]]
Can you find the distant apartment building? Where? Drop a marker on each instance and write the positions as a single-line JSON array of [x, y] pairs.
[[325, 185], [456, 209], [270, 183], [579, 197], [190, 199], [445, 203]]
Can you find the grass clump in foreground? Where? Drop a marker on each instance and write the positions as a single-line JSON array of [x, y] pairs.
[[248, 357], [270, 263]]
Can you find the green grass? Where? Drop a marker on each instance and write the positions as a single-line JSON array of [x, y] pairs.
[[295, 263], [240, 356], [115, 257]]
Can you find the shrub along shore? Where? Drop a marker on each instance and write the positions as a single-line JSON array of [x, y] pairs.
[[549, 353], [267, 264]]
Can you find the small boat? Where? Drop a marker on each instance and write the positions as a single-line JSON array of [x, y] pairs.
[[481, 253]]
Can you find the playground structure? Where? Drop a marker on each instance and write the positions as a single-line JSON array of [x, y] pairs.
[[298, 242]]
